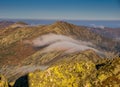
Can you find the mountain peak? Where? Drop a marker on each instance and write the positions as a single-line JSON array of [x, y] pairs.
[[22, 23], [61, 23], [18, 24]]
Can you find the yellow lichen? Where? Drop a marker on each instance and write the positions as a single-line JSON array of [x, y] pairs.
[[102, 77], [3, 81]]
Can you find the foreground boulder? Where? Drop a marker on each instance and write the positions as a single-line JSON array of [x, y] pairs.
[[3, 81], [78, 74], [64, 75]]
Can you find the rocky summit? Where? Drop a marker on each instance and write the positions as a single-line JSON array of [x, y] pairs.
[[73, 74]]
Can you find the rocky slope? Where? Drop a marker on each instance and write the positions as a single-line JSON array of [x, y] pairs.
[[74, 73]]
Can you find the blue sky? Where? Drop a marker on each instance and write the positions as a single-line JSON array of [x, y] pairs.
[[61, 9]]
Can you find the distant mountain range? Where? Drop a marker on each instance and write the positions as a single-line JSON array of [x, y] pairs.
[[4, 24], [107, 32], [89, 23]]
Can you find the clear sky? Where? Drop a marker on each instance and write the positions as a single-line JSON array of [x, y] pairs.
[[61, 9]]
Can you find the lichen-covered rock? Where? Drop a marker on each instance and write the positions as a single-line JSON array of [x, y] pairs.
[[3, 81], [109, 74], [11, 84], [78, 74], [73, 74]]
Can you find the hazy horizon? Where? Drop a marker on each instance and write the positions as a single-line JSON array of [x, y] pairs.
[[89, 23], [5, 18]]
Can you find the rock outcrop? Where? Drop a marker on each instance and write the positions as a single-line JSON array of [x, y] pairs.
[[63, 75], [78, 74], [3, 81]]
